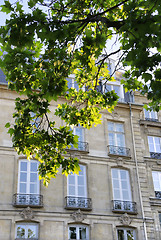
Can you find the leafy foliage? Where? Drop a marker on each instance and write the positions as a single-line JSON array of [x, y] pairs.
[[55, 38]]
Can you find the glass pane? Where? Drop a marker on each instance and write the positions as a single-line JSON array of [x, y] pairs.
[[117, 194], [32, 231], [34, 167], [23, 166], [20, 232], [123, 174], [111, 139], [111, 126], [120, 140], [79, 133], [33, 188], [22, 187], [115, 183], [115, 173], [33, 177], [80, 180], [82, 233], [23, 177], [120, 234], [116, 89], [82, 168], [108, 88], [72, 233], [125, 195], [119, 127], [130, 235], [81, 192], [71, 191], [69, 82], [124, 185], [146, 113], [71, 179]]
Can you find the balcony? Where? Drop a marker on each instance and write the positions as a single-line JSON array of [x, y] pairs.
[[116, 150], [155, 155], [78, 203], [82, 146], [124, 206], [26, 238], [32, 200], [158, 194], [151, 119]]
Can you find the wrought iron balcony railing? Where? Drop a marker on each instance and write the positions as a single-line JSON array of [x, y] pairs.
[[155, 155], [158, 194], [151, 119], [78, 203], [26, 238], [32, 200], [82, 146], [116, 150], [124, 206]]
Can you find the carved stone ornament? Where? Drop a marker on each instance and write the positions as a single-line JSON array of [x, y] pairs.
[[78, 216], [27, 213], [120, 162], [115, 115], [125, 219]]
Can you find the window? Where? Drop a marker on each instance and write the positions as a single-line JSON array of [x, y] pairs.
[[117, 88], [28, 185], [157, 183], [126, 234], [82, 145], [150, 115], [121, 184], [28, 177], [77, 183], [26, 231], [160, 219], [72, 83], [116, 139], [78, 232], [154, 147], [122, 191], [77, 191]]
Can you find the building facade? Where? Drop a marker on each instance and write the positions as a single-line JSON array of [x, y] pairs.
[[116, 196]]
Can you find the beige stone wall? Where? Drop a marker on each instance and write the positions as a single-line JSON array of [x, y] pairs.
[[53, 218]]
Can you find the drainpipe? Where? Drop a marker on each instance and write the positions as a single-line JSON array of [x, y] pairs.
[[137, 174]]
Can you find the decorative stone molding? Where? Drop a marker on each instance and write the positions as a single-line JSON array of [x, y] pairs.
[[115, 115], [78, 216], [125, 219], [27, 213], [120, 162]]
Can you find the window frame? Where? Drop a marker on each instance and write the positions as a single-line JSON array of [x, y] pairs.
[[76, 185], [154, 143], [115, 133], [120, 188], [26, 226], [125, 231], [77, 226], [28, 172]]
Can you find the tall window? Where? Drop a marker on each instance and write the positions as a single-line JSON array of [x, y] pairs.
[[27, 231], [157, 183], [28, 185], [116, 139], [150, 115], [126, 234], [121, 184], [82, 145], [28, 182], [77, 183], [78, 232], [154, 144]]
